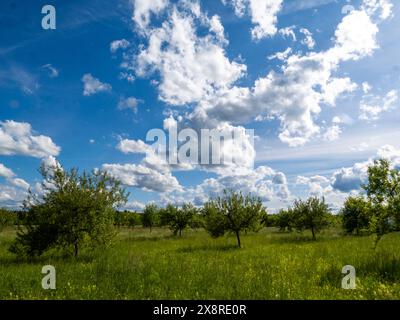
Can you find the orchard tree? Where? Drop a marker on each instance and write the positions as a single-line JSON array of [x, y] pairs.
[[235, 213], [285, 220], [178, 219], [312, 214], [73, 209], [383, 192], [356, 215], [151, 216]]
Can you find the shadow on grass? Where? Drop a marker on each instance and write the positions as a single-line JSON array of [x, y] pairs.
[[208, 248], [58, 256], [383, 266]]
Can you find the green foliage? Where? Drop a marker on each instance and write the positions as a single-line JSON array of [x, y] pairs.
[[233, 213], [312, 214], [73, 210], [356, 215], [285, 220], [151, 216], [178, 219], [126, 219], [383, 192], [7, 218]]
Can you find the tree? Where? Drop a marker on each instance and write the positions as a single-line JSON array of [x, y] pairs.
[[312, 214], [285, 220], [178, 219], [356, 215], [383, 192], [233, 212], [151, 216], [72, 210]]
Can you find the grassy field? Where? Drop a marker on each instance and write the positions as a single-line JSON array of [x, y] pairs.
[[271, 265]]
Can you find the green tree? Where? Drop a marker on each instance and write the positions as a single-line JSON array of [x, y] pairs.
[[383, 192], [72, 210], [356, 215], [235, 213], [178, 219], [151, 216], [285, 220], [312, 214]]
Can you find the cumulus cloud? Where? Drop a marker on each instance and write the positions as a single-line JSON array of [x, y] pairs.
[[144, 9], [296, 95], [18, 138], [93, 85], [191, 67], [263, 15], [262, 182], [143, 177]]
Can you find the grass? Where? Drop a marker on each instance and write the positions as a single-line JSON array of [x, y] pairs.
[[271, 265]]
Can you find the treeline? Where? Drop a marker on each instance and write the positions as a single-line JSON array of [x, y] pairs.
[[81, 210]]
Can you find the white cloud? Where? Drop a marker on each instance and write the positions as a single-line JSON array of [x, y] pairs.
[[17, 138], [129, 103], [288, 32], [132, 146], [119, 44], [143, 177], [332, 133], [281, 55], [308, 38], [191, 67], [53, 72], [296, 95], [93, 85], [372, 106], [143, 9], [263, 15]]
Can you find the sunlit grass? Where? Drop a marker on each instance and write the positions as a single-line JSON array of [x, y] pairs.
[[271, 265]]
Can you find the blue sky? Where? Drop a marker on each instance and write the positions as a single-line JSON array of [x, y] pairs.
[[318, 84]]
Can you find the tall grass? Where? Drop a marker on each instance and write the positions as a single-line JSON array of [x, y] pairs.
[[271, 265]]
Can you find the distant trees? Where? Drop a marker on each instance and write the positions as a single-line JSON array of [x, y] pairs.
[[234, 213], [126, 219], [73, 209], [151, 216], [312, 214], [7, 218], [356, 215]]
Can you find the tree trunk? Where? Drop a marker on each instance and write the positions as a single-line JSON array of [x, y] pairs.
[[76, 249], [238, 238], [150, 229], [180, 232], [313, 234]]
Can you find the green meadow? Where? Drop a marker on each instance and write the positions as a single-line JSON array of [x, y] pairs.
[[157, 265]]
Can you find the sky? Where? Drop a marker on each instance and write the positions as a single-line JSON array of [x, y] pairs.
[[317, 81]]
